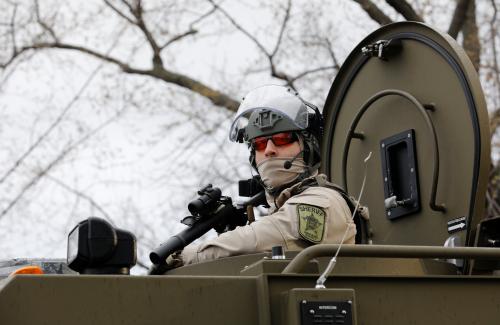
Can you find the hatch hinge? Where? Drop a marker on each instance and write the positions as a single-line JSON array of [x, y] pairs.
[[381, 48]]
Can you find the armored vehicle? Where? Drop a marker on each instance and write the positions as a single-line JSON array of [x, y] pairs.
[[409, 98]]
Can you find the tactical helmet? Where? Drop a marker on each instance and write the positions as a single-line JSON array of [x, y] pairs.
[[272, 109]]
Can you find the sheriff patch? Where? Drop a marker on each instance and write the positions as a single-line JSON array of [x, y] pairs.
[[311, 222]]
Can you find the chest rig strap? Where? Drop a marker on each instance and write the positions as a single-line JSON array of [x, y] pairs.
[[361, 215]]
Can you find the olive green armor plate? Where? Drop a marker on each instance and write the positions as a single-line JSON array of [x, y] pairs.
[[417, 104]]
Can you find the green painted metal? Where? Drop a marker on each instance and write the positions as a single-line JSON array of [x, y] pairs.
[[437, 74]]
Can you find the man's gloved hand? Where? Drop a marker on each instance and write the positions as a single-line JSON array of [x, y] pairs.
[[173, 261], [238, 217]]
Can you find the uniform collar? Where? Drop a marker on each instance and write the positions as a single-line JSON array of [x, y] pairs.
[[277, 202]]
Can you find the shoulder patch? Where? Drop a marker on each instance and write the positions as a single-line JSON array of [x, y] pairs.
[[311, 222]]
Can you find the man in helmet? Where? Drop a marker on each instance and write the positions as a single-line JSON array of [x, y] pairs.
[[283, 133]]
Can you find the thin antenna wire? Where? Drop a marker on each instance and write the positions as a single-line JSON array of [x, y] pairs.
[[320, 283]]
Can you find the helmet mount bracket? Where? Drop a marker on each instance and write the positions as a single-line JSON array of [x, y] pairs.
[[266, 119]]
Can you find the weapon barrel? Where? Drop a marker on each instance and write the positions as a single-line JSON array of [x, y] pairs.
[[178, 242]]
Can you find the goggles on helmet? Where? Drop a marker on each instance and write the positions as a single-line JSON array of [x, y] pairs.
[[279, 139]]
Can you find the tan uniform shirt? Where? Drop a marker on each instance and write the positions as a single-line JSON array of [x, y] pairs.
[[290, 226]]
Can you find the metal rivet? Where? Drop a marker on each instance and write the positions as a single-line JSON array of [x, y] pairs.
[[349, 302], [409, 135], [344, 312], [304, 301], [383, 145], [311, 311], [385, 179], [389, 213], [411, 170]]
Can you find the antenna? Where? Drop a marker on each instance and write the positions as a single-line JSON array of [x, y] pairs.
[[320, 283]]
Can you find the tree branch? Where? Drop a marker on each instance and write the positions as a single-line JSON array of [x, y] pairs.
[[82, 195], [138, 13], [119, 13], [141, 265], [191, 31], [42, 23], [178, 38], [270, 56], [39, 175], [51, 127], [282, 75], [470, 32], [494, 122], [202, 17], [458, 18], [493, 36], [405, 9], [129, 6], [329, 47], [283, 27], [13, 31], [58, 45], [493, 208], [240, 28], [374, 12], [319, 69], [216, 97], [34, 181]]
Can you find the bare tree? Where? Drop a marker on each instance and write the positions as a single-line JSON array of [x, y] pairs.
[[141, 44]]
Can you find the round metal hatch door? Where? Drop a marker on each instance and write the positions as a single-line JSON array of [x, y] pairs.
[[410, 96]]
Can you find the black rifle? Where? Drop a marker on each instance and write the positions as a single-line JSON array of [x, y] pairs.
[[209, 210]]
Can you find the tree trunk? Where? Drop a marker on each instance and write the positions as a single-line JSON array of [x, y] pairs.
[[471, 37]]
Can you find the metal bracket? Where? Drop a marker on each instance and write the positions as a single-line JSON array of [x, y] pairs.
[[267, 119], [381, 48]]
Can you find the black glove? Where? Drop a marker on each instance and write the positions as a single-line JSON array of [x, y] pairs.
[[238, 217]]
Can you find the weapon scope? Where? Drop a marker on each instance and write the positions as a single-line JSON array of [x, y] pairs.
[[208, 199]]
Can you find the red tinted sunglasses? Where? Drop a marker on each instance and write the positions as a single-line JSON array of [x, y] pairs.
[[279, 139]]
